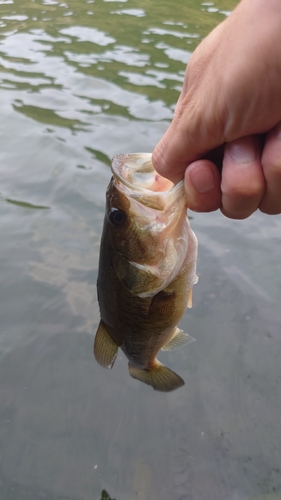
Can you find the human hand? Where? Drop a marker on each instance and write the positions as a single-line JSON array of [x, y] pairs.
[[231, 98]]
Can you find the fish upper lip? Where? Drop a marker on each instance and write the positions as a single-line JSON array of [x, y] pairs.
[[142, 189], [116, 168], [158, 200]]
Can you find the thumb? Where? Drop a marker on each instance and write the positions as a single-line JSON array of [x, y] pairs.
[[191, 136]]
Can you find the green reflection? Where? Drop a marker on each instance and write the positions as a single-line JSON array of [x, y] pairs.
[[24, 204], [100, 156], [145, 54], [105, 496], [47, 116]]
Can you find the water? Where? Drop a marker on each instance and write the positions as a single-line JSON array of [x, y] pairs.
[[80, 82]]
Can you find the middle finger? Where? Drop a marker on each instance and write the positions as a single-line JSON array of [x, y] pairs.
[[243, 183]]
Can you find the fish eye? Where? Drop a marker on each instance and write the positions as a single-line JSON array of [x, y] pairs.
[[117, 217]]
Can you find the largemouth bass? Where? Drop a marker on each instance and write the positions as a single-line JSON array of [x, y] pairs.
[[147, 269]]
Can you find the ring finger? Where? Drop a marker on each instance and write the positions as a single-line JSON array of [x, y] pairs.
[[271, 163]]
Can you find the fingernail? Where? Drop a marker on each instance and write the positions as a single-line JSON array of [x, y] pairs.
[[242, 151], [202, 179]]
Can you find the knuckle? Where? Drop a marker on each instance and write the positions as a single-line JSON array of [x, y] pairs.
[[235, 214], [269, 210], [271, 204], [271, 166], [243, 199], [204, 203], [240, 192]]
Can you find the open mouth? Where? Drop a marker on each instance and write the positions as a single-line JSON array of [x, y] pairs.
[[136, 171]]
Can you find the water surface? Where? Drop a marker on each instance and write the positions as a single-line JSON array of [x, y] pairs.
[[80, 82]]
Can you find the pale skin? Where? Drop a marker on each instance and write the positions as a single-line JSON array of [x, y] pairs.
[[231, 98]]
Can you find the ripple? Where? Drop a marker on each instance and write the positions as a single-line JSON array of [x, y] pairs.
[[225, 12], [177, 34], [15, 18], [162, 75], [72, 87], [30, 80], [131, 12], [120, 53], [175, 23], [91, 35], [139, 79], [174, 53]]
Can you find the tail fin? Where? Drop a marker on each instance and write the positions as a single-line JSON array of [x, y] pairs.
[[160, 377]]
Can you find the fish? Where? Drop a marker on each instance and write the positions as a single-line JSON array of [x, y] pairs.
[[147, 269]]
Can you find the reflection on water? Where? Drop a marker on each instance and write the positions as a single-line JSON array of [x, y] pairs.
[[79, 83], [105, 496]]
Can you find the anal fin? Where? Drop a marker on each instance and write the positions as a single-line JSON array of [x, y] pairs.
[[159, 377], [105, 349], [180, 338]]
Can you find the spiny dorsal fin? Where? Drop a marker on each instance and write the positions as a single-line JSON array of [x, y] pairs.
[[180, 338], [160, 377], [105, 349]]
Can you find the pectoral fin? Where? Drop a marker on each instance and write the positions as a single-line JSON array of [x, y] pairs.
[[180, 338], [160, 377], [105, 349]]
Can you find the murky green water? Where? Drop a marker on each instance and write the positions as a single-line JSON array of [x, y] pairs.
[[80, 82]]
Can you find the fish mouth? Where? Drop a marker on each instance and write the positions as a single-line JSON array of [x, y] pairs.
[[138, 179]]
